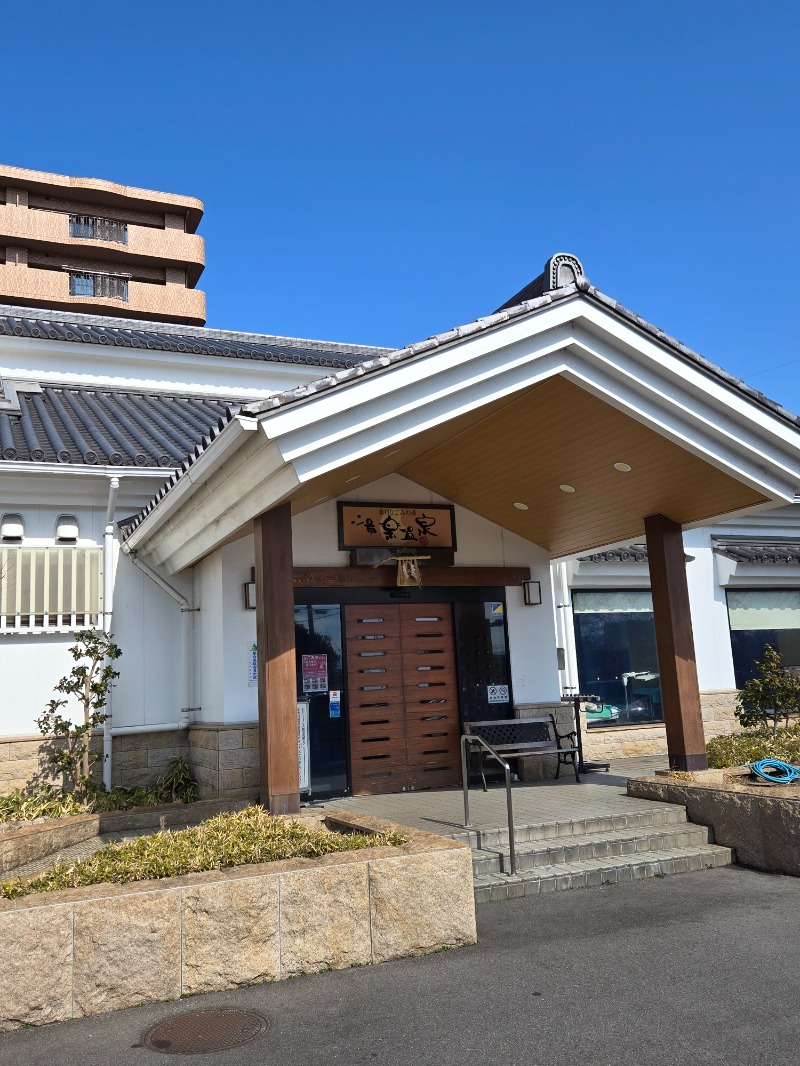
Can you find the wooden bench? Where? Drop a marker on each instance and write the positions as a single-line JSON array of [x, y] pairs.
[[521, 738]]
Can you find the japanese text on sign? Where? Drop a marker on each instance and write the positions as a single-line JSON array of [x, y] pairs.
[[315, 673]]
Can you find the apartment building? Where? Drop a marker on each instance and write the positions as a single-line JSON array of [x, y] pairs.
[[98, 247]]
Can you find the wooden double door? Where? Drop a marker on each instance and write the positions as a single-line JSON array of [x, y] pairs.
[[403, 697]]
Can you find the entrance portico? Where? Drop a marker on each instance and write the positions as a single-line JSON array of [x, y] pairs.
[[563, 420]]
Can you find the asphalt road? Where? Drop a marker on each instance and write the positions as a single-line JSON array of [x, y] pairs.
[[699, 968]]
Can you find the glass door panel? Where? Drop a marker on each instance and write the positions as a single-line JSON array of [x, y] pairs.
[[318, 637]]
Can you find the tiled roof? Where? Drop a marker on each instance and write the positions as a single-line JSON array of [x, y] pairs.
[[87, 426], [167, 337], [480, 325], [759, 551]]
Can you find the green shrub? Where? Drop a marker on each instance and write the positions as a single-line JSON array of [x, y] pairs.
[[248, 836], [175, 786], [741, 748], [773, 695], [89, 683]]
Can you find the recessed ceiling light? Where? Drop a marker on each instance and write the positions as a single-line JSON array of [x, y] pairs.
[[387, 454], [355, 477], [567, 488], [322, 499], [521, 506], [623, 468]]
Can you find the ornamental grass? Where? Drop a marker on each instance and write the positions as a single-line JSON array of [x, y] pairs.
[[239, 839], [45, 802], [176, 785], [750, 746]]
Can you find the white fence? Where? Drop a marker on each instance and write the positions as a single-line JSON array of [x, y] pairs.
[[50, 590]]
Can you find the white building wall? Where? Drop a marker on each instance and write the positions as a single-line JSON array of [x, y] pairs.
[[209, 640], [146, 622], [712, 638], [241, 697]]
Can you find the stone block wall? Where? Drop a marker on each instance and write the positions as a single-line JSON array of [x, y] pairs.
[[22, 760], [137, 758], [224, 760], [628, 741], [140, 758], [718, 717]]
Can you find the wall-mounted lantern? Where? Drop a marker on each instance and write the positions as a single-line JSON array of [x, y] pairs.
[[532, 593], [250, 591]]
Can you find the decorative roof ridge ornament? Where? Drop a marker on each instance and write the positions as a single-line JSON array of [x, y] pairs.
[[563, 269], [9, 402]]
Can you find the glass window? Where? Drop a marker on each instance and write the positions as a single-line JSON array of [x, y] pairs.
[[81, 285], [617, 660], [318, 636], [759, 617]]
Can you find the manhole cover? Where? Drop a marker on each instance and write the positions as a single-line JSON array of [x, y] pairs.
[[204, 1031]]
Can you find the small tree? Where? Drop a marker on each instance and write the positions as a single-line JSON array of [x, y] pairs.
[[772, 695], [90, 681]]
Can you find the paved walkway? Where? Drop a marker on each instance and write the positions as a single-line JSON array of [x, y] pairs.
[[442, 810]]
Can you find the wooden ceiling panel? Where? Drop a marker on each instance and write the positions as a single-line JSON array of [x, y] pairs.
[[522, 448]]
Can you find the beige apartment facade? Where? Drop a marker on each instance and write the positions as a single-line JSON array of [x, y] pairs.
[[97, 246]]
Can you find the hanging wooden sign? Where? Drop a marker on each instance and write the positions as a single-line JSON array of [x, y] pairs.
[[396, 525]]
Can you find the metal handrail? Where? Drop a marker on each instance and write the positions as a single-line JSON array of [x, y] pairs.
[[474, 738]]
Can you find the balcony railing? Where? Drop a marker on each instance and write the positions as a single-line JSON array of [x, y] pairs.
[[92, 228], [107, 285]]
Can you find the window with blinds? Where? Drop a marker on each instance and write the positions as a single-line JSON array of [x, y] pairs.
[[50, 590]]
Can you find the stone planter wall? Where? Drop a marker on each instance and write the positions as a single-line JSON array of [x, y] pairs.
[[760, 822], [86, 951]]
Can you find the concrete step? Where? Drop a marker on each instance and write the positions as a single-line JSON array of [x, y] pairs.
[[558, 851], [658, 814], [612, 869]]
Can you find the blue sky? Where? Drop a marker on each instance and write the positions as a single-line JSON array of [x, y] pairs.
[[378, 173]]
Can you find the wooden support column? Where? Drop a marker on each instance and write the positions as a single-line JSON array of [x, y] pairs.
[[277, 679], [680, 692]]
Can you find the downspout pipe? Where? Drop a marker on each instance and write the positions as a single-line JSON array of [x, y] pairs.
[[108, 612]]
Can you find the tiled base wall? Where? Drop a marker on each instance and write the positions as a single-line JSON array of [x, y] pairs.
[[224, 760], [623, 742], [137, 758]]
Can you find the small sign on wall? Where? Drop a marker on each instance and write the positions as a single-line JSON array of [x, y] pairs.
[[315, 673], [252, 667], [403, 525], [303, 745], [497, 693], [335, 703]]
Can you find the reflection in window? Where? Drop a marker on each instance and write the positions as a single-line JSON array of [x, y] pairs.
[[759, 617], [483, 668], [318, 633], [617, 661]]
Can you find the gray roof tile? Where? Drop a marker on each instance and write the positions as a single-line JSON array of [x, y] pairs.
[[87, 426], [49, 324]]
